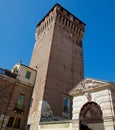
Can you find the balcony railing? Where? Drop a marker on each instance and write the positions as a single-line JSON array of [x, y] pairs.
[[7, 72], [18, 109]]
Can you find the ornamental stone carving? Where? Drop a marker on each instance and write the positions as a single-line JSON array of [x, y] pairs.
[[88, 96], [88, 84]]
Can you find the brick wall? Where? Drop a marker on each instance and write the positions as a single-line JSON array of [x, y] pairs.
[[10, 89]]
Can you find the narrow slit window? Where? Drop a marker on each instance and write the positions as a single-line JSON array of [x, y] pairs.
[[67, 107]]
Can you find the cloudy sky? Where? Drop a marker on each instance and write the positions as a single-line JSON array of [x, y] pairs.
[[18, 20]]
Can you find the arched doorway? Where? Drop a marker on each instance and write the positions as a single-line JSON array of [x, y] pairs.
[[91, 117]]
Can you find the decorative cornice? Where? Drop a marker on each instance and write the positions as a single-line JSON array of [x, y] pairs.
[[87, 85]]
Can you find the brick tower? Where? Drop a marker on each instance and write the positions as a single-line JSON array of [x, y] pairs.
[[58, 58]]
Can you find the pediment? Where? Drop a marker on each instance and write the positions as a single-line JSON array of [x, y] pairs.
[[88, 84]]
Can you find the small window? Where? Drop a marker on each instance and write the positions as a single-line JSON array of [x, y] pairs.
[[31, 102], [28, 75], [20, 102], [10, 122], [17, 123], [66, 106]]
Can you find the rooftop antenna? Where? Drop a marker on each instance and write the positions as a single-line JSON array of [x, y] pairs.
[[20, 62]]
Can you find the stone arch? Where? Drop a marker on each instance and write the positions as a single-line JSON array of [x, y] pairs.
[[90, 115], [41, 30], [45, 25], [59, 16], [38, 32], [51, 18], [73, 27], [62, 20]]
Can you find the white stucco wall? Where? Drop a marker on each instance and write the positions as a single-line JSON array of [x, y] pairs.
[[22, 69]]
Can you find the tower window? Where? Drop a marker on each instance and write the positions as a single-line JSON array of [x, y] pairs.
[[31, 102], [66, 107], [28, 75]]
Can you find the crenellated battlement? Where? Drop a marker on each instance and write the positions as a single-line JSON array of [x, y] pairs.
[[67, 15], [45, 24], [65, 20], [68, 25], [69, 22]]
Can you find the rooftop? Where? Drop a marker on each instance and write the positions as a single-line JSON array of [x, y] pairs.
[[7, 73], [57, 5]]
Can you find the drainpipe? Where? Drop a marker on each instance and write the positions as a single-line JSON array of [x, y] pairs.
[[8, 106]]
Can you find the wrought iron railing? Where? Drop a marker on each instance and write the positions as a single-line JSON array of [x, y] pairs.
[[7, 72], [18, 109]]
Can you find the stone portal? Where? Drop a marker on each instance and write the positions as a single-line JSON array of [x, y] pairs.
[[93, 105], [90, 116]]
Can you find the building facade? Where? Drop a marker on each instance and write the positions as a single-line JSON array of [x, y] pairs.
[[61, 99], [15, 96], [93, 107], [58, 58]]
